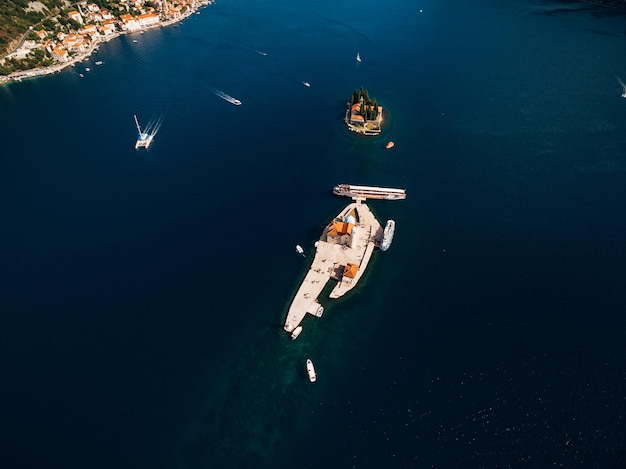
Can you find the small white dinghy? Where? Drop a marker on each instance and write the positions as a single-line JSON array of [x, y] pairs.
[[311, 370], [296, 332]]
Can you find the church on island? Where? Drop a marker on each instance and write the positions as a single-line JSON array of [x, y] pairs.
[[363, 115]]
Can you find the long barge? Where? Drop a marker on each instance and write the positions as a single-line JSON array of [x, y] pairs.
[[369, 192]]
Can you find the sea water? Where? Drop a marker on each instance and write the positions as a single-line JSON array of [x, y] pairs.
[[144, 292]]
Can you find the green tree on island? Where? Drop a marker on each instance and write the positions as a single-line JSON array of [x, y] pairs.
[[369, 109]]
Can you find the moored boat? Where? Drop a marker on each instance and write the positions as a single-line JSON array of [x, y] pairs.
[[311, 370], [299, 249], [388, 232], [389, 145], [296, 332], [369, 192]]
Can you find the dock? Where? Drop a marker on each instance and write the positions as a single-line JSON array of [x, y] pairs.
[[342, 254]]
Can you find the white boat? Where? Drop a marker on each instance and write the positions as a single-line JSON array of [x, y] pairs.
[[99, 62], [81, 75], [307, 84], [299, 249], [87, 69], [358, 57], [227, 97], [311, 370], [296, 332], [144, 139], [388, 232]]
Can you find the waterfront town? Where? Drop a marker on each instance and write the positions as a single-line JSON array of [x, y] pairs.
[[71, 35]]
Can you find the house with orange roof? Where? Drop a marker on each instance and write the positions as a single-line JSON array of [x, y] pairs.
[[76, 16], [60, 54], [90, 30], [349, 273], [75, 42], [149, 19], [108, 28], [129, 23], [95, 17]]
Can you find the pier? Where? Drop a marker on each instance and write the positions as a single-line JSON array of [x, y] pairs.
[[342, 254]]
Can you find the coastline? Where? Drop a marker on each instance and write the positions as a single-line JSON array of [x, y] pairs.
[[39, 72]]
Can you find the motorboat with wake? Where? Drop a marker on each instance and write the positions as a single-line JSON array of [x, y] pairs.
[[227, 97]]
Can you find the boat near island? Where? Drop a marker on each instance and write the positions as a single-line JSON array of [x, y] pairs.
[[369, 192], [310, 369], [296, 332], [299, 250], [390, 145], [144, 139], [227, 97], [390, 228]]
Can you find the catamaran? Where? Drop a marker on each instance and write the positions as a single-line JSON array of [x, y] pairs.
[[144, 139]]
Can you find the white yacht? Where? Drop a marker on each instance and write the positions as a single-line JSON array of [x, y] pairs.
[[311, 370], [296, 332]]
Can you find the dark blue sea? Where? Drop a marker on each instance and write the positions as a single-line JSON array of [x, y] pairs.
[[143, 293]]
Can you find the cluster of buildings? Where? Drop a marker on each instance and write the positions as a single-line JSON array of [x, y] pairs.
[[356, 121], [98, 25]]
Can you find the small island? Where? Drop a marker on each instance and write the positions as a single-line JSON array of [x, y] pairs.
[[363, 115]]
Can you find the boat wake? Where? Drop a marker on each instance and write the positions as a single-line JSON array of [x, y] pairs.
[[227, 97], [623, 87], [153, 126]]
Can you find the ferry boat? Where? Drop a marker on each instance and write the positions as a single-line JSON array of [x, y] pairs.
[[390, 228], [311, 370], [369, 192], [144, 139]]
